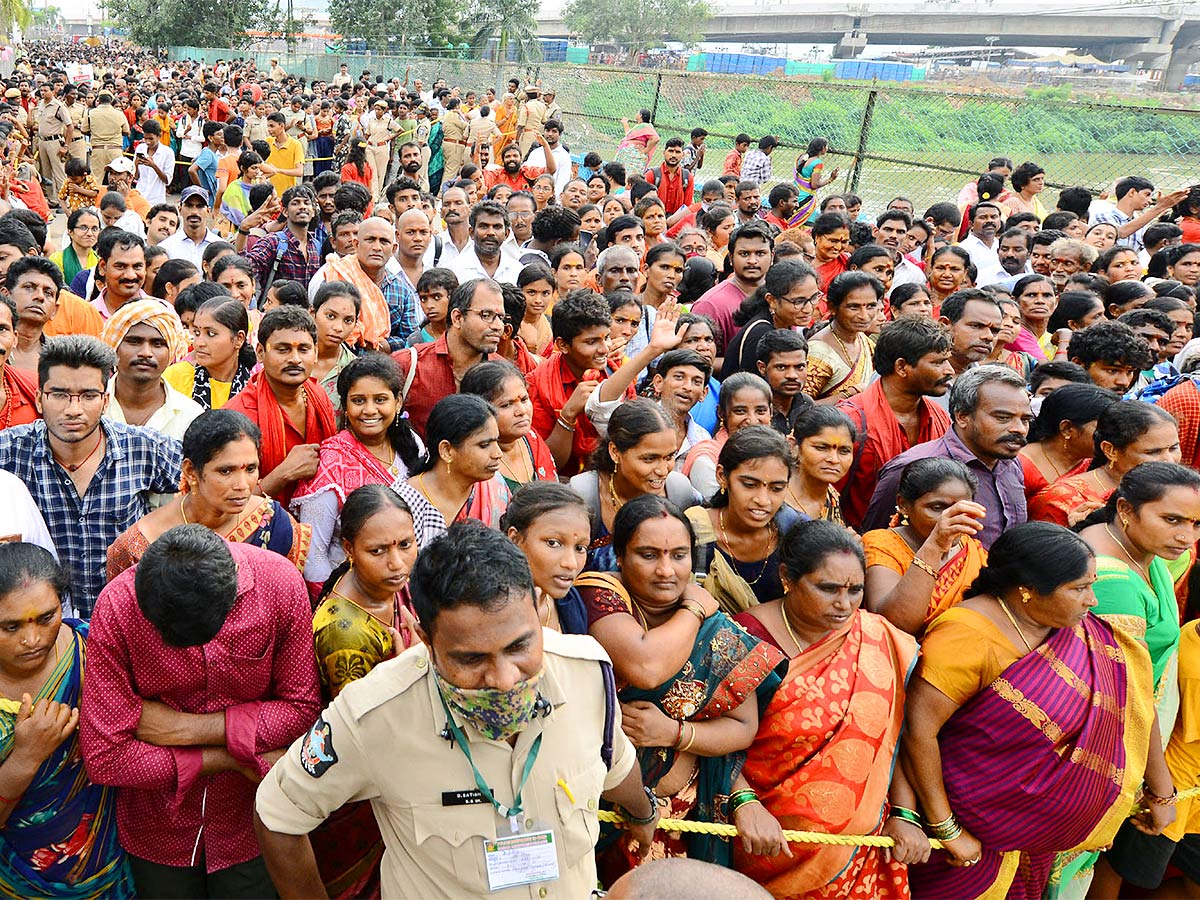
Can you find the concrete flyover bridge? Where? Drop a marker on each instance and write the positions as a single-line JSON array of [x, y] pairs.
[[1147, 35]]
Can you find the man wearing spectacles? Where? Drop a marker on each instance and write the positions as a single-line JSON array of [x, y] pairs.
[[475, 325], [90, 478]]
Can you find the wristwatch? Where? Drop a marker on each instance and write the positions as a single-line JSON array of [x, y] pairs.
[[643, 820]]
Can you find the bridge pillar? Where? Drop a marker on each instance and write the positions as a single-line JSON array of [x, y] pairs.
[[1178, 63], [850, 46]]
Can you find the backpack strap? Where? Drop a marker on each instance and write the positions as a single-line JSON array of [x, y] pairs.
[[412, 373], [438, 244]]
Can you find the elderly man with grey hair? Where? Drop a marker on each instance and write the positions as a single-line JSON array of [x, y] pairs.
[[989, 408]]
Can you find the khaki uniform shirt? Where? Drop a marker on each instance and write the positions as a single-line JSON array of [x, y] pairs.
[[384, 744], [533, 115], [255, 128], [454, 128], [278, 74], [78, 111], [482, 131], [379, 129], [106, 124], [52, 119]]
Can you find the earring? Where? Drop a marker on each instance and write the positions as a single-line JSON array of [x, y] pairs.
[[1124, 522], [1025, 595]]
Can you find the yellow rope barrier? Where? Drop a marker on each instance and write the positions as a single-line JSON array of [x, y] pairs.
[[806, 837]]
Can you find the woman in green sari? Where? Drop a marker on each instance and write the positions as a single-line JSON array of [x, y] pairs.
[[692, 683], [58, 832], [437, 159], [362, 618], [1153, 516], [79, 251]]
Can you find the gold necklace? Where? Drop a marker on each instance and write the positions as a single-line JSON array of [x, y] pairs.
[[525, 465], [1013, 619], [617, 502], [788, 626], [1128, 555], [729, 547], [801, 507], [845, 349]]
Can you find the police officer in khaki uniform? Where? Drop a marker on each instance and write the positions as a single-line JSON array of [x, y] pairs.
[[484, 749], [55, 131], [530, 120], [454, 139], [78, 148], [299, 124], [106, 124], [378, 130]]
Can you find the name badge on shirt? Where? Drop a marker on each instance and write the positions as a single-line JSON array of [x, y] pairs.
[[520, 859], [463, 798]]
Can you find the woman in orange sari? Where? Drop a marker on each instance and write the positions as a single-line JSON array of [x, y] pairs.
[[506, 121], [923, 565], [1128, 433], [842, 699]]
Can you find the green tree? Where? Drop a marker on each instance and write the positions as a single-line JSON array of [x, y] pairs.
[[508, 24], [194, 23], [387, 25], [14, 12], [637, 24]]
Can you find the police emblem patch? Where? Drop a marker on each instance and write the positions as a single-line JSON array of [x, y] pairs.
[[317, 753]]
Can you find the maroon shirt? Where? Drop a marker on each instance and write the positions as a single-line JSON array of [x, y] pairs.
[[260, 670], [433, 381]]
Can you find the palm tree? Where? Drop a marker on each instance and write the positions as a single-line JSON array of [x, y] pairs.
[[14, 12], [509, 24]]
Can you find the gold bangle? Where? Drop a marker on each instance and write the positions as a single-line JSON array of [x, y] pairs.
[[686, 747], [693, 607], [925, 567]]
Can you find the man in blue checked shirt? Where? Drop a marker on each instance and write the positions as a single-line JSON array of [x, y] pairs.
[[89, 477]]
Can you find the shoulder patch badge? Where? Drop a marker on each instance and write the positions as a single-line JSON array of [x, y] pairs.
[[317, 753]]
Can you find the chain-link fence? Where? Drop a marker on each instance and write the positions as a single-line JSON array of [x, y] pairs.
[[888, 140]]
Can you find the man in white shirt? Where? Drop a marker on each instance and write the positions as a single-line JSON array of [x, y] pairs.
[[1134, 209], [20, 519], [190, 241], [562, 158], [155, 163], [482, 257], [981, 244]]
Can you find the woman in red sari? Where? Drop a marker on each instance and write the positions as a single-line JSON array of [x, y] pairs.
[[823, 758], [1128, 433], [1028, 727]]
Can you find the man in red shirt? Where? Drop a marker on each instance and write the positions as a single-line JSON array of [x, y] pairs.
[[200, 674], [671, 181], [712, 191], [784, 198], [912, 357], [475, 325], [218, 109], [515, 175], [290, 408], [735, 157]]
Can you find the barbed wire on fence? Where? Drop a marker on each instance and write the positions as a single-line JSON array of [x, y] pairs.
[[895, 140]]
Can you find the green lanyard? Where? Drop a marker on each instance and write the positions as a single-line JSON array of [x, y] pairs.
[[512, 813]]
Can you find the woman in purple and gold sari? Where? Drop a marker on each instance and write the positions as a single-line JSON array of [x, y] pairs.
[[692, 684], [1028, 724], [58, 831]]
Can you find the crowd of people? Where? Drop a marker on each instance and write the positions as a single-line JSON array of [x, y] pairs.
[[387, 490]]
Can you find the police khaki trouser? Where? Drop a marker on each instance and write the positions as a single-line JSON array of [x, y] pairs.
[[101, 157], [379, 160], [454, 155], [78, 148], [50, 166], [423, 175]]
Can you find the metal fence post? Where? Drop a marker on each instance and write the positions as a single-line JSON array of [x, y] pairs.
[[657, 94], [863, 133]]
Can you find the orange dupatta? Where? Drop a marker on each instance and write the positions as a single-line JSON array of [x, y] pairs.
[[823, 757], [374, 324]]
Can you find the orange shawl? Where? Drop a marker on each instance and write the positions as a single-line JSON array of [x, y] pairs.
[[823, 756], [258, 403], [374, 323]]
